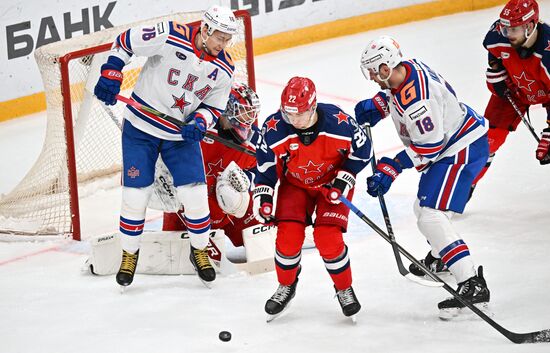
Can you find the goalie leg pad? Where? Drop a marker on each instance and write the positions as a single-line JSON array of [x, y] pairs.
[[194, 198], [161, 253]]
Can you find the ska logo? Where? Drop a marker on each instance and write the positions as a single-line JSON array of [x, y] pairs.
[[180, 55]]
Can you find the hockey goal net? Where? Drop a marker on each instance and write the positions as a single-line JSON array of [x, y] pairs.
[[82, 144]]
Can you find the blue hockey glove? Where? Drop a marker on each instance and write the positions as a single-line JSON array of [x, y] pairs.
[[108, 85], [195, 130], [386, 171], [371, 111]]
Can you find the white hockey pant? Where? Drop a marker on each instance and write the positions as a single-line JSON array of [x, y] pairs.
[[436, 226], [134, 205], [194, 198]]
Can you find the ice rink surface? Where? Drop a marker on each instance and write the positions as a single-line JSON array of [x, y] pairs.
[[48, 305]]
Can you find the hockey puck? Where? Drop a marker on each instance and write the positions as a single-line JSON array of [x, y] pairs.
[[225, 336]]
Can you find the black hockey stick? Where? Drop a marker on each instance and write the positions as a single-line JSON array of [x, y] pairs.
[[527, 123], [530, 337], [180, 123], [402, 270]]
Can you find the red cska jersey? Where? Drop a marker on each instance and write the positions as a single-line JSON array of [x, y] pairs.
[[529, 76]]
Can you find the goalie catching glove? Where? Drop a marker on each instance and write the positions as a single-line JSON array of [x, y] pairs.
[[232, 190]]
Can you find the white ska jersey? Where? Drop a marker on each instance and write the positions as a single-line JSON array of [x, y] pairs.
[[177, 78], [430, 120]]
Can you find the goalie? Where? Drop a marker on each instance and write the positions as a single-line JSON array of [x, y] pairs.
[[229, 174]]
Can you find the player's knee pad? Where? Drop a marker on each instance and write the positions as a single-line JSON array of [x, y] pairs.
[[290, 237], [329, 241], [436, 227], [134, 202], [194, 198]]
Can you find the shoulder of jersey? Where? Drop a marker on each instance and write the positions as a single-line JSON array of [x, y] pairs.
[[544, 45], [415, 87], [275, 128], [336, 120], [494, 37], [180, 36]]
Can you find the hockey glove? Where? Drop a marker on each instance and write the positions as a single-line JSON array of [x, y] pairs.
[[371, 111], [544, 147], [496, 81], [341, 185], [195, 130], [108, 85], [386, 171], [263, 204]]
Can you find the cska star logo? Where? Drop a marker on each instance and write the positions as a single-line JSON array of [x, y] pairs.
[[524, 82], [271, 124], [311, 167], [180, 102], [342, 117], [215, 168]]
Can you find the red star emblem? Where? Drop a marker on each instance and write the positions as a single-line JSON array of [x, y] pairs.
[[271, 124], [548, 47], [524, 82], [180, 102], [342, 117], [311, 167], [215, 168]]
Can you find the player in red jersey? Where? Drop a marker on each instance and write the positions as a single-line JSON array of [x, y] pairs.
[[228, 171], [305, 146], [519, 66]]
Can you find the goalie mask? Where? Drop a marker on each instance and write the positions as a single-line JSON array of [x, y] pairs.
[[219, 18], [242, 111]]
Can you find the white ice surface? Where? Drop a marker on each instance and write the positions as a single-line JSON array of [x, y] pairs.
[[48, 305]]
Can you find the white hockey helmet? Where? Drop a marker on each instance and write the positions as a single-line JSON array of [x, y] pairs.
[[383, 50], [219, 18]]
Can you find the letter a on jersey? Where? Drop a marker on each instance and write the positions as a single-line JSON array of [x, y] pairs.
[[213, 75]]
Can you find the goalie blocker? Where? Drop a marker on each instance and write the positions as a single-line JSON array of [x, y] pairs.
[[167, 253]]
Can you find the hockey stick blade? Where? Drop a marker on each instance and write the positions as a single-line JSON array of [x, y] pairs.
[[531, 337], [180, 123]]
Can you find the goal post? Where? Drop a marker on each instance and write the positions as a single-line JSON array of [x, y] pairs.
[[82, 147]]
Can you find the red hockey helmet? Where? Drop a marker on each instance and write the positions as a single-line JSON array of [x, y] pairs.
[[299, 96], [242, 111], [519, 12]]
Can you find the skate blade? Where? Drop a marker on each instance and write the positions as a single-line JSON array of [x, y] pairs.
[[353, 319], [464, 314], [206, 284], [122, 289], [271, 317]]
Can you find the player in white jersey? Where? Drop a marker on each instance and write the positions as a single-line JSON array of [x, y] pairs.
[[445, 140], [187, 75]]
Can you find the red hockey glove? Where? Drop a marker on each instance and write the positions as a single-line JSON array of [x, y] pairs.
[[341, 185], [544, 147]]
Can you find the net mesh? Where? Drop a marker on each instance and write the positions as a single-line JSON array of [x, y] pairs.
[[40, 203]]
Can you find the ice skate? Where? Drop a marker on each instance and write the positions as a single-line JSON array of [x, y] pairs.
[[125, 274], [201, 263], [348, 302], [280, 301], [433, 264], [474, 290]]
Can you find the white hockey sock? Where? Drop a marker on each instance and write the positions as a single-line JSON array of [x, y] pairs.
[[132, 216], [194, 198]]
